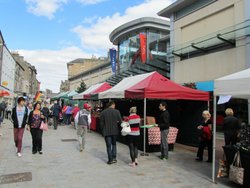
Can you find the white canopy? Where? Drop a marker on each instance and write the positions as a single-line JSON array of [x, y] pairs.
[[237, 85], [87, 91], [118, 91]]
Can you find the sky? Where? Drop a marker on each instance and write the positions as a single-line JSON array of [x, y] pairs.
[[51, 33]]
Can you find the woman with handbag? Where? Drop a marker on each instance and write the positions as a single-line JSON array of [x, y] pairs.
[[205, 137], [36, 118], [133, 136]]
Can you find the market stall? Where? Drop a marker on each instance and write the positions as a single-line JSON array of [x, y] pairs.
[[237, 86], [151, 86], [92, 90], [90, 94]]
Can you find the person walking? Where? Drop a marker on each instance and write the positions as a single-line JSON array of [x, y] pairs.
[[56, 110], [19, 117], [163, 124], [3, 106], [110, 118], [134, 136], [83, 120], [231, 127], [205, 137], [30, 107], [75, 110], [8, 111], [35, 119], [68, 114], [45, 112]]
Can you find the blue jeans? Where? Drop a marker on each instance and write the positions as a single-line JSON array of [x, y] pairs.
[[111, 147]]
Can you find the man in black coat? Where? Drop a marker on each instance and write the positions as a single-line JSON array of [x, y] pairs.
[[163, 124], [56, 110], [109, 121]]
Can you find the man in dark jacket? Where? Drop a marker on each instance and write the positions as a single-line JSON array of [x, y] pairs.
[[19, 118], [164, 127], [109, 121], [56, 109]]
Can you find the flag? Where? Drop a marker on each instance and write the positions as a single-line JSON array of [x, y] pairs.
[[112, 53], [38, 95], [143, 47]]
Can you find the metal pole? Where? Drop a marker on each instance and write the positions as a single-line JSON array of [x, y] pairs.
[[144, 129], [214, 140]]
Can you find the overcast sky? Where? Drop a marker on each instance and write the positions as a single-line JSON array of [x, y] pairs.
[[50, 33]]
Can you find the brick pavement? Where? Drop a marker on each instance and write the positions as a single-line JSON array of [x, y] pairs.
[[62, 165]]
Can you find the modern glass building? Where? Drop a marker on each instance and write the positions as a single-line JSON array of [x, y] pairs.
[[141, 47]]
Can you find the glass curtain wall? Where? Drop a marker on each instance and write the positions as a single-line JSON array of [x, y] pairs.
[[129, 48], [157, 46]]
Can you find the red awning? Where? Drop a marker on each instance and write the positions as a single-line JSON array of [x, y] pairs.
[[105, 86], [4, 93], [156, 86]]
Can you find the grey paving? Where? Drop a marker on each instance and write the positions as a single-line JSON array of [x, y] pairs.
[[62, 165]]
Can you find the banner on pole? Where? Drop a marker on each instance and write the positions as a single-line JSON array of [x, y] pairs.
[[112, 53], [143, 47]]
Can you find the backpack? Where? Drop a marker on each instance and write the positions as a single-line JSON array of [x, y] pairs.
[[83, 117]]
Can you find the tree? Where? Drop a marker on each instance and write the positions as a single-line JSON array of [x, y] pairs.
[[82, 87]]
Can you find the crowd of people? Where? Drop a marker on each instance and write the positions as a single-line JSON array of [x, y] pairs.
[[30, 116]]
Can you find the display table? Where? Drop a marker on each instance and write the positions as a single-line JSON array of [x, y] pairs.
[[245, 161], [150, 146]]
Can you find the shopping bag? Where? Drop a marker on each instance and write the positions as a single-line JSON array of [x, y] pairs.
[[236, 172], [125, 128], [44, 126]]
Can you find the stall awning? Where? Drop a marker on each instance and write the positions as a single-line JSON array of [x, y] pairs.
[[236, 85], [93, 90], [152, 85]]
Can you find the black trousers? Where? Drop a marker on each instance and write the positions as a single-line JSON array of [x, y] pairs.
[[36, 134], [202, 145], [133, 142]]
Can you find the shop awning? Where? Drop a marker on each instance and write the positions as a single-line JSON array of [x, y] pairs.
[[236, 85], [152, 85], [63, 95], [92, 90], [5, 92]]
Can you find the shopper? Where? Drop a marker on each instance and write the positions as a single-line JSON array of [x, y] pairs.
[[110, 119], [83, 120], [8, 111], [35, 119], [3, 106], [45, 111], [30, 108], [231, 127], [75, 110], [133, 136], [19, 117], [205, 137], [163, 124], [56, 110], [68, 114]]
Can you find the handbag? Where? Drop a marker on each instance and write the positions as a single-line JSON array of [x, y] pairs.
[[125, 128], [236, 172], [44, 126]]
